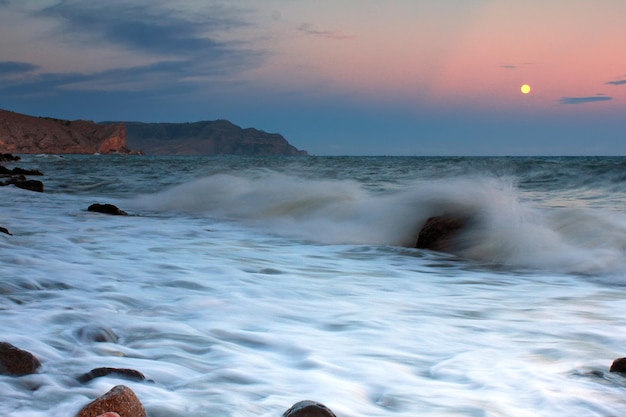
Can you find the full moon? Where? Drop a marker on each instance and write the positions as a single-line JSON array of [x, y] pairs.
[[525, 89]]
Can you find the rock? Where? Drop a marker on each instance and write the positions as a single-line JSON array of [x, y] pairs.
[[109, 414], [107, 209], [120, 399], [92, 333], [15, 361], [9, 157], [31, 185], [619, 365], [5, 230], [21, 171], [439, 231], [130, 374], [308, 408]]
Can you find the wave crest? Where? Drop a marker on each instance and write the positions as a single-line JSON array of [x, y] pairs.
[[505, 229]]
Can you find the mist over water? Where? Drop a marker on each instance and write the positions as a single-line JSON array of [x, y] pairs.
[[506, 229], [240, 286]]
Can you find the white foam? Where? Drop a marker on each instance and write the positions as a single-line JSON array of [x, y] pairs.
[[505, 229]]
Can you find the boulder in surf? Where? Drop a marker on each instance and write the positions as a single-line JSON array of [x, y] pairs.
[[308, 408], [120, 399], [107, 209], [619, 365], [438, 232], [17, 362]]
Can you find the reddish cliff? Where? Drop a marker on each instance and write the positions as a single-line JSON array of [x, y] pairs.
[[20, 133]]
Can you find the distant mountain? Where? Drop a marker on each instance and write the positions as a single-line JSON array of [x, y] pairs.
[[219, 137], [20, 133]]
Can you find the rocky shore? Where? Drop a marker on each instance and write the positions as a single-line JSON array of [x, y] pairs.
[[17, 176], [120, 400]]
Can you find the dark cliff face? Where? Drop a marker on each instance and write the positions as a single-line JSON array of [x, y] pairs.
[[218, 137], [20, 133]]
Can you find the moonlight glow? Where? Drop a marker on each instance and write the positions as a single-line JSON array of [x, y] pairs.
[[525, 89]]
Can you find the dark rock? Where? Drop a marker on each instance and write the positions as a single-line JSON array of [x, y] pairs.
[[31, 185], [120, 399], [439, 232], [21, 171], [15, 361], [107, 209], [5, 230], [9, 157], [96, 334], [308, 408], [619, 365], [130, 374]]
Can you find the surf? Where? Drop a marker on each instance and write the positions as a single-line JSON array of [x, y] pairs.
[[506, 227]]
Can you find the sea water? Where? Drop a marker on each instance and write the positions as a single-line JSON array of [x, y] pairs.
[[241, 285]]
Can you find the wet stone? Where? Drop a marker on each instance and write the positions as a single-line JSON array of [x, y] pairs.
[[308, 408], [17, 362], [120, 399]]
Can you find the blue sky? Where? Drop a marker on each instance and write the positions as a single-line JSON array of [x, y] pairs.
[[343, 77]]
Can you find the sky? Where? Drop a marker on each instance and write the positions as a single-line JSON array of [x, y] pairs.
[[335, 77]]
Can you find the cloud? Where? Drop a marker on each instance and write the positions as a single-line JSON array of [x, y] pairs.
[[176, 47], [516, 66], [583, 100], [149, 27], [308, 29], [617, 82], [13, 67]]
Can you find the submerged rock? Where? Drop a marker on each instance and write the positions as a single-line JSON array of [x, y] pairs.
[[308, 408], [438, 232], [17, 362], [107, 209], [94, 333], [120, 399], [9, 157], [130, 374], [31, 185]]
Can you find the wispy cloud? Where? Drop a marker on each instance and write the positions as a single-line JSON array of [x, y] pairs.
[[508, 66], [180, 44], [13, 67], [616, 82], [583, 100], [148, 27], [309, 29]]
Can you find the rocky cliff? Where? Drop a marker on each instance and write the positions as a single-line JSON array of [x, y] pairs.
[[20, 133], [219, 137]]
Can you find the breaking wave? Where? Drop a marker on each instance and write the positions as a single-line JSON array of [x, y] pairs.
[[506, 229]]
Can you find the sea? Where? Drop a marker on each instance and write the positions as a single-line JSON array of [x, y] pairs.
[[241, 285]]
